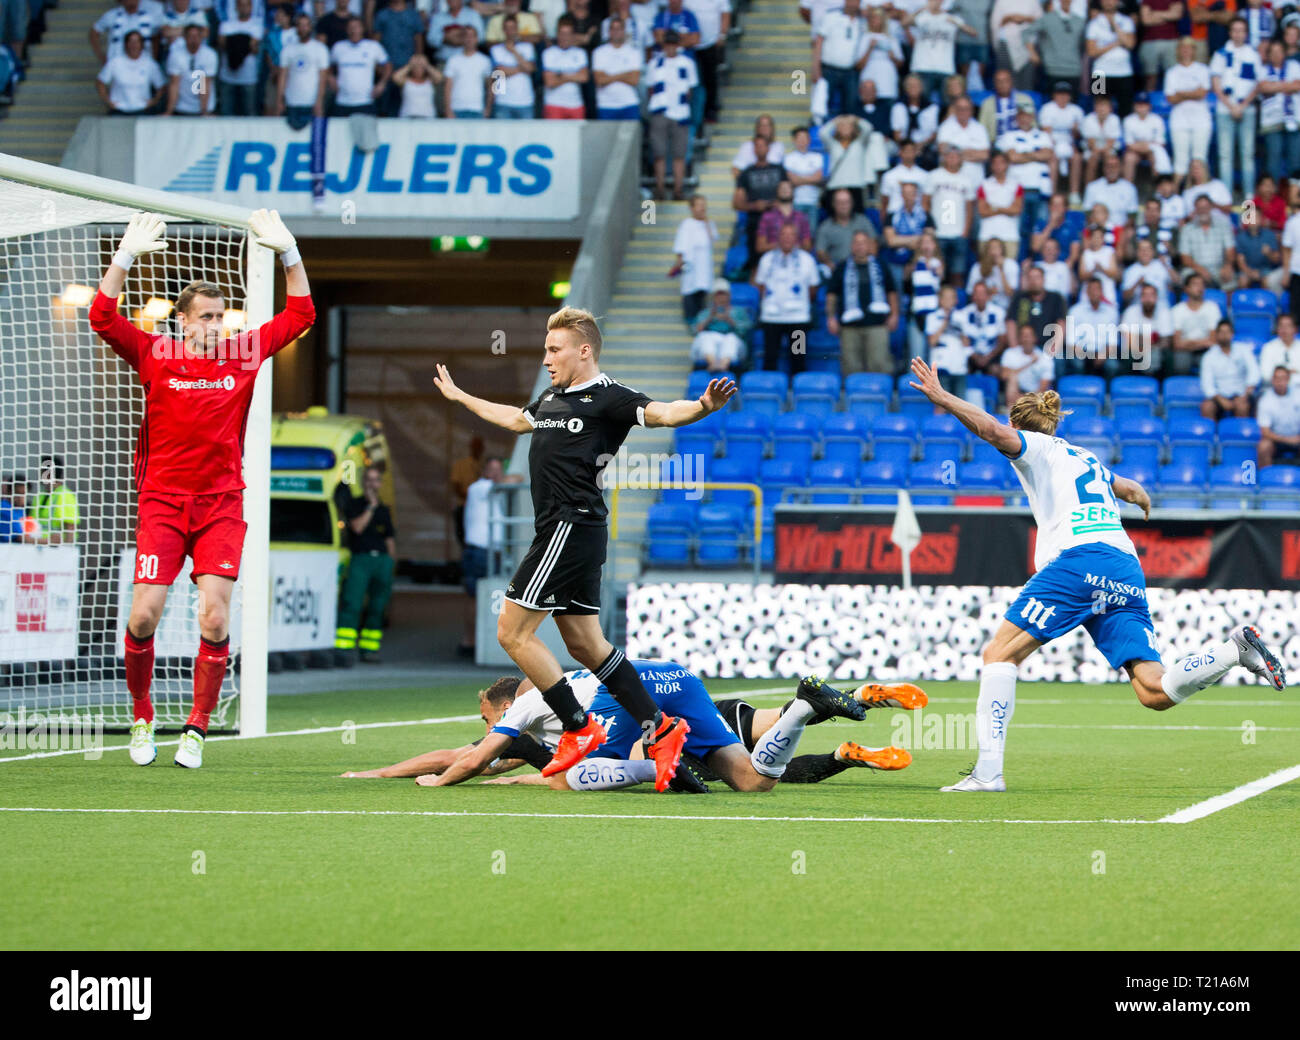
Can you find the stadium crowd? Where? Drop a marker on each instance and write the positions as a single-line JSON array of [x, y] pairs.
[[1121, 202]]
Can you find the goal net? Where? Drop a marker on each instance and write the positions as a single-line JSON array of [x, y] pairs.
[[70, 410]]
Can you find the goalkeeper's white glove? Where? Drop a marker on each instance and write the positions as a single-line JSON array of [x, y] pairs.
[[145, 233], [269, 230]]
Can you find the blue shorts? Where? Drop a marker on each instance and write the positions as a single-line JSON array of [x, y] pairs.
[[677, 692], [1099, 587]]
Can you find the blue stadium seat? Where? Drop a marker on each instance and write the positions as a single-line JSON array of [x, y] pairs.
[[882, 475], [1220, 297], [924, 476], [1082, 388], [1102, 447], [844, 437], [1181, 486], [1273, 477], [831, 474], [767, 538], [701, 438], [1191, 441], [794, 437], [1228, 489], [987, 385], [1095, 427], [823, 345], [815, 384], [982, 451], [893, 438], [1254, 329], [1253, 302], [1279, 488], [1160, 104], [1145, 476], [869, 384], [1182, 397], [775, 383], [1144, 455], [668, 534], [775, 475], [943, 438], [745, 295], [698, 383], [678, 470], [733, 471], [719, 534], [981, 475], [1131, 389], [1141, 428], [736, 260], [1238, 441], [746, 436]]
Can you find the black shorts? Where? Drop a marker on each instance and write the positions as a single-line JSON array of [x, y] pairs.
[[561, 570]]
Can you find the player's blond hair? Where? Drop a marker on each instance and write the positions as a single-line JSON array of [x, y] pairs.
[[194, 289], [580, 321], [1039, 412]]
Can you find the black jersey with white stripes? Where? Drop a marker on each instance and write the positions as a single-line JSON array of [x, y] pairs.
[[576, 433]]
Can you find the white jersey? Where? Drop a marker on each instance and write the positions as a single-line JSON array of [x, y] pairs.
[[532, 715], [1070, 494]]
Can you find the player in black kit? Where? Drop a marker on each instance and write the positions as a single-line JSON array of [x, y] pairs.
[[578, 426]]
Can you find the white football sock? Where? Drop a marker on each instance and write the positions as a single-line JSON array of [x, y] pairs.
[[1198, 671], [608, 774], [993, 711], [776, 747]]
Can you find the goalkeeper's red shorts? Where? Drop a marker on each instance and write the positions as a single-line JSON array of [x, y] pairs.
[[208, 528]]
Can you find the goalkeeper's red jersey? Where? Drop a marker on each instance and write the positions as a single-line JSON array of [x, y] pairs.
[[196, 408]]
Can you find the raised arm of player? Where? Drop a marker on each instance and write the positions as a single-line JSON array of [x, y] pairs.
[[683, 413], [1131, 491], [507, 416], [469, 764], [145, 233], [299, 312], [978, 421]]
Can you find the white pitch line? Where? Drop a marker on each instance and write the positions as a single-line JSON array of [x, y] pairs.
[[1230, 798], [550, 816], [236, 736]]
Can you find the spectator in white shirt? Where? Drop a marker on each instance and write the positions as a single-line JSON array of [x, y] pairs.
[[1283, 350], [1025, 368], [763, 127], [787, 281], [838, 54], [1031, 155], [1234, 73], [1148, 329], [131, 83], [882, 57], [1148, 269], [1228, 375], [361, 71], [1279, 420], [949, 350], [564, 70], [672, 78], [1000, 200], [1194, 321], [192, 74], [1102, 133], [109, 31], [465, 79], [1144, 139], [915, 118], [417, 82], [693, 243], [445, 27], [239, 40], [1111, 38], [1092, 333], [1187, 85], [807, 172], [720, 330], [951, 201], [984, 324], [997, 271], [1100, 259], [1063, 119], [175, 18], [968, 136], [616, 67], [304, 73], [934, 34], [513, 63], [714, 18]]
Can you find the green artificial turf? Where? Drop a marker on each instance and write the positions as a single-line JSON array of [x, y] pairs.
[[509, 866]]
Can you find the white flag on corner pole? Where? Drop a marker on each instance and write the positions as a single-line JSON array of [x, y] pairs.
[[906, 534]]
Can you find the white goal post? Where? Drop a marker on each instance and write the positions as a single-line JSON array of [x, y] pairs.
[[63, 393]]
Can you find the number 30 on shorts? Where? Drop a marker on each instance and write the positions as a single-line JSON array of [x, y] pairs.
[[146, 567]]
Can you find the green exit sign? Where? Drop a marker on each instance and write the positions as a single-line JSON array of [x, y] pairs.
[[298, 485], [460, 244]]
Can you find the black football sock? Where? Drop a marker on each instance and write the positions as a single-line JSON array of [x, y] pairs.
[[625, 686], [812, 769], [560, 699], [529, 750]]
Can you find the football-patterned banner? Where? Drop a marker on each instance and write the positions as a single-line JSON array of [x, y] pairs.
[[883, 632], [971, 547]]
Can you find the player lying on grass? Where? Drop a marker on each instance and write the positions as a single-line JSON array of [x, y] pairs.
[[189, 459], [742, 718], [1087, 573]]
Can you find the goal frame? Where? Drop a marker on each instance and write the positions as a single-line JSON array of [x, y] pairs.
[[258, 306]]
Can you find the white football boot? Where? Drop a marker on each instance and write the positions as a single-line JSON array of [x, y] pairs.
[[970, 783], [190, 752], [143, 747], [1257, 657]]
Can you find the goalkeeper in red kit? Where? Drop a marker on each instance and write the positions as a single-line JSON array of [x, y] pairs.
[[198, 388]]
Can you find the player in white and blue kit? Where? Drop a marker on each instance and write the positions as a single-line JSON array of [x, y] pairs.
[[1087, 574]]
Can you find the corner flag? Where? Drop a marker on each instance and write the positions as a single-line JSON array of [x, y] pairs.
[[906, 534]]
